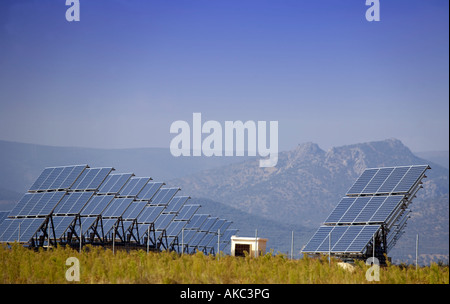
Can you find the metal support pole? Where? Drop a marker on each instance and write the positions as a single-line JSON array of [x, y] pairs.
[[148, 238], [114, 237], [218, 243], [81, 233], [256, 243], [182, 241], [292, 245], [373, 248], [329, 249], [48, 237], [417, 251]]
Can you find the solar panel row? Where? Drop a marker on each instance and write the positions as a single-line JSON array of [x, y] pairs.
[[78, 200]]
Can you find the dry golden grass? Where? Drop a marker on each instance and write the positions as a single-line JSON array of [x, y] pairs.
[[98, 265]]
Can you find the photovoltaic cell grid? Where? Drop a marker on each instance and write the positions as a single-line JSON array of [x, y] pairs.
[[364, 209], [3, 215], [398, 180], [21, 229], [57, 178], [114, 183], [91, 179], [341, 239], [376, 198], [37, 204], [72, 194]]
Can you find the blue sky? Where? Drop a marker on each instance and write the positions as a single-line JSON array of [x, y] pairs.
[[121, 75]]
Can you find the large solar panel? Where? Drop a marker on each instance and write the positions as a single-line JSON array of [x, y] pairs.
[[375, 207]]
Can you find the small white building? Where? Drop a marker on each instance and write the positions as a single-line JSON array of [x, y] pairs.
[[249, 244]]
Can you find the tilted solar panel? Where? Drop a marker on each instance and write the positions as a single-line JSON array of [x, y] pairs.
[[362, 181], [411, 177], [3, 215], [163, 196], [72, 203], [197, 221], [341, 239], [364, 209], [217, 225], [150, 214], [61, 224], [187, 212], [363, 238], [176, 204], [175, 227], [96, 205], [377, 180], [117, 207], [19, 229], [114, 183], [379, 198], [163, 221], [134, 186], [37, 204], [91, 178], [149, 190], [134, 209], [387, 180], [56, 178]]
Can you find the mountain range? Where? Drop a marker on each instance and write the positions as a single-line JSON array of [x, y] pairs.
[[296, 195]]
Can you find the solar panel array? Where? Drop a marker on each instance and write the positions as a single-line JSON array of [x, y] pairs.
[[69, 204], [375, 209]]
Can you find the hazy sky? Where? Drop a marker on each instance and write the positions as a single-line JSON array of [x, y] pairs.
[[121, 75]]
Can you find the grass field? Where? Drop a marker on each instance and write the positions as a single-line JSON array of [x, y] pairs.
[[97, 265]]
